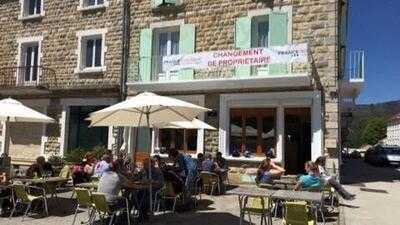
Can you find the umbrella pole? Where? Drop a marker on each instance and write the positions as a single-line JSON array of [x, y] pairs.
[[150, 175], [6, 135]]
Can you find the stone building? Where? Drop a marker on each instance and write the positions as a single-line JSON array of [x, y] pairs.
[[393, 131], [62, 58], [293, 109]]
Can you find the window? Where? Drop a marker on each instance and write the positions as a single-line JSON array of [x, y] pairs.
[[91, 51], [92, 4], [31, 8], [167, 43], [179, 139], [260, 32], [28, 72], [252, 130]]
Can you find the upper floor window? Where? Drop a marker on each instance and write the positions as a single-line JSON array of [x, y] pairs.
[[260, 32], [167, 43], [158, 42], [29, 61], [92, 4], [31, 8], [91, 51]]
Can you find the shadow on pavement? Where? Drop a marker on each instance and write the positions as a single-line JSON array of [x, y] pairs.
[[197, 218], [357, 172]]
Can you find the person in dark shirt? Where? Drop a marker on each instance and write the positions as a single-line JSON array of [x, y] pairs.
[[40, 168]]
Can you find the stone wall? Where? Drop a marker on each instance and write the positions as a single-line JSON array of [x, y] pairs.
[[314, 22], [59, 27]]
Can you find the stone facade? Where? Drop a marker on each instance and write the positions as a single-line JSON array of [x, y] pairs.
[[316, 22], [58, 28]]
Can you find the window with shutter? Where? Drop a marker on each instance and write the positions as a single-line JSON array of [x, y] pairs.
[[145, 54], [187, 46], [243, 41], [278, 23]]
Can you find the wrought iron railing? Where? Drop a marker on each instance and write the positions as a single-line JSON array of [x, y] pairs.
[[28, 76], [356, 65]]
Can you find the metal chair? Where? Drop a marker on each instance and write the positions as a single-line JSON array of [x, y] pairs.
[[84, 199], [103, 209], [297, 213], [210, 181], [24, 198], [168, 193], [260, 206]]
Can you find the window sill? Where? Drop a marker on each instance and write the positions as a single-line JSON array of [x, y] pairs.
[[93, 7], [31, 17], [90, 70]]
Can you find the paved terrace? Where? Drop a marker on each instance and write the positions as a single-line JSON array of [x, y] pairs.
[[215, 210]]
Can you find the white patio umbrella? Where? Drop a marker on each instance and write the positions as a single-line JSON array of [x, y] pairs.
[[194, 124], [14, 111], [146, 110]]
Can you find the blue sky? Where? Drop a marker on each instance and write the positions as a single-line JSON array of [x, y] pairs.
[[374, 25]]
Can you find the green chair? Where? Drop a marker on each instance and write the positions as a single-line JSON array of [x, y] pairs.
[[210, 181], [101, 206], [84, 202], [260, 206], [23, 198], [297, 213]]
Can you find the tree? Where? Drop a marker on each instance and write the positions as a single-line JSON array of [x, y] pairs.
[[374, 131]]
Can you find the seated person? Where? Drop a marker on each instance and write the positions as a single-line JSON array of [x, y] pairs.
[[221, 162], [157, 176], [111, 184], [102, 166], [200, 159], [311, 181], [159, 163], [268, 171], [179, 165], [208, 164], [4, 192], [40, 168], [331, 180]]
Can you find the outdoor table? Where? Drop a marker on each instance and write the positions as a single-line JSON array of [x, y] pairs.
[[249, 191], [50, 183], [88, 185], [314, 198]]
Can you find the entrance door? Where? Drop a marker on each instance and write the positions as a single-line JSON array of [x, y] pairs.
[[297, 139]]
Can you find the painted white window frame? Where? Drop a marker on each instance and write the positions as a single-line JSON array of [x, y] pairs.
[[280, 101], [23, 11], [194, 99], [96, 6], [83, 36], [169, 75], [22, 43]]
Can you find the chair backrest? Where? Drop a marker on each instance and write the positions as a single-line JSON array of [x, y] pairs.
[[258, 202], [169, 189], [83, 197], [20, 192], [296, 213], [100, 202], [65, 172], [208, 177]]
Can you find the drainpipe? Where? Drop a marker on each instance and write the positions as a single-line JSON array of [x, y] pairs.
[[125, 48], [124, 59]]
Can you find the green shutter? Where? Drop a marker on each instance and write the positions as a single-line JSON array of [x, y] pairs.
[[144, 139], [145, 55], [187, 36], [278, 25], [156, 3], [243, 41]]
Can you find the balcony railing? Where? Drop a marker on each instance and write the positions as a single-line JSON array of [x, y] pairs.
[[28, 76], [215, 73], [353, 82]]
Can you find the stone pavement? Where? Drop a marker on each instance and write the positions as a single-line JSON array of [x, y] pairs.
[[378, 194], [215, 210]]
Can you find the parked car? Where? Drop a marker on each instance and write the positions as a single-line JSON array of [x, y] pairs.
[[383, 155]]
